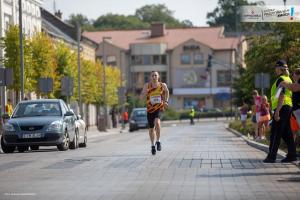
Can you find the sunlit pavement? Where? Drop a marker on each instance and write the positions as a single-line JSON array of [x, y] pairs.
[[203, 161]]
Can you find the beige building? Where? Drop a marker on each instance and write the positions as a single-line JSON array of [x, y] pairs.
[[181, 56]]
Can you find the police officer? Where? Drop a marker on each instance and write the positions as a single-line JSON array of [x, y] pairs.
[[192, 115], [281, 105]]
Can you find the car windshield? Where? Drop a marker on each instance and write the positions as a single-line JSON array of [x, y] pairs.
[[31, 109], [139, 113]]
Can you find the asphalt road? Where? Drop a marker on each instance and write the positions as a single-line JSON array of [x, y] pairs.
[[203, 161]]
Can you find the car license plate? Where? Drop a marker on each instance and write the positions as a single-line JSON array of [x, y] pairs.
[[141, 125], [32, 135]]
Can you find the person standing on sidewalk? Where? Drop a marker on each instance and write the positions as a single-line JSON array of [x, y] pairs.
[[157, 94], [281, 105], [192, 116], [295, 88], [257, 103], [244, 111], [264, 118], [9, 108]]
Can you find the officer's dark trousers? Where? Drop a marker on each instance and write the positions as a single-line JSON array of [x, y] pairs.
[[281, 129]]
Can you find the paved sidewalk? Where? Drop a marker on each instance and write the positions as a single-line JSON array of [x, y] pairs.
[[94, 132]]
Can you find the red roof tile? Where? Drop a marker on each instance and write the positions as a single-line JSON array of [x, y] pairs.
[[210, 36]]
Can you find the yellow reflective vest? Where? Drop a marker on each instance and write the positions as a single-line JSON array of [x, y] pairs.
[[287, 95]]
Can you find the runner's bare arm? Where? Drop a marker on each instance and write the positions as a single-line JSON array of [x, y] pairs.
[[166, 92], [294, 87], [144, 91]]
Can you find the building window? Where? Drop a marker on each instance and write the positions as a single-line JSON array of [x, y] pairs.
[[147, 60], [223, 78], [156, 60], [163, 77], [198, 58], [147, 76], [185, 58], [136, 60], [163, 59], [111, 60]]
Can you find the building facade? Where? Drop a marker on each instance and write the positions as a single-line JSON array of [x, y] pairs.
[[31, 15], [9, 15], [60, 31], [181, 56]]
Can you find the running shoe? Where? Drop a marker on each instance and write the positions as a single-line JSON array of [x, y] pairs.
[[158, 146], [153, 150]]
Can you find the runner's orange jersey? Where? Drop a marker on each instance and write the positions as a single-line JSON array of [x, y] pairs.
[[155, 98]]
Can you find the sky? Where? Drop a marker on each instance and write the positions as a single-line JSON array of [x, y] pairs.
[[193, 10]]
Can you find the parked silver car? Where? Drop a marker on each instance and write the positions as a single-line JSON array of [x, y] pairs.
[[82, 131], [44, 122]]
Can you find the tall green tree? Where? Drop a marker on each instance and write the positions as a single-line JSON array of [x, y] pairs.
[[43, 60], [114, 21], [80, 19], [12, 58], [264, 51], [160, 13], [66, 61]]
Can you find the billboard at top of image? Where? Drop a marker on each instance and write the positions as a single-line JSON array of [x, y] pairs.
[[270, 13]]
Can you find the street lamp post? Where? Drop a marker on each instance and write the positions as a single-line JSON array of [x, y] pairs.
[[21, 49], [78, 68], [104, 79]]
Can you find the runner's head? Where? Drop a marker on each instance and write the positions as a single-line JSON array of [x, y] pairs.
[[154, 76]]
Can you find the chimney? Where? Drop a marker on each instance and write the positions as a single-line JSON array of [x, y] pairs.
[[157, 29], [58, 14]]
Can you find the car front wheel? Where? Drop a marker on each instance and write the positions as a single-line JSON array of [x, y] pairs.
[[65, 144], [5, 148]]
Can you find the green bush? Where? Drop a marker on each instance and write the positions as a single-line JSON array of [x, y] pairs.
[[170, 114]]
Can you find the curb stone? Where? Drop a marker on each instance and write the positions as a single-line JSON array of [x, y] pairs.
[[256, 145]]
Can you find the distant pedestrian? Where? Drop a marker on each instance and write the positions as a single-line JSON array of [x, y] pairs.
[[125, 117], [281, 100], [264, 118], [114, 117], [244, 111], [192, 116], [257, 103], [9, 108], [254, 122]]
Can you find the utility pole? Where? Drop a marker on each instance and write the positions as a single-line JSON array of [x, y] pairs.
[[104, 80], [284, 2], [21, 50]]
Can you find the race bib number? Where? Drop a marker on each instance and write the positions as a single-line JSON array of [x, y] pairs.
[[155, 99]]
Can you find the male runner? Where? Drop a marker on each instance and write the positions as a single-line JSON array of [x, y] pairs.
[[157, 94]]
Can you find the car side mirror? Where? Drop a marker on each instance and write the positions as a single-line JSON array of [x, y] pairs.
[[69, 113], [5, 116], [78, 117]]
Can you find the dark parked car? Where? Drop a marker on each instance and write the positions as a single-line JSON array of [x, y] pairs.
[[138, 119], [44, 122]]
